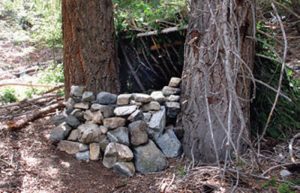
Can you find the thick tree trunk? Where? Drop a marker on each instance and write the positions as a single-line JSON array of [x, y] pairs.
[[219, 54], [90, 57]]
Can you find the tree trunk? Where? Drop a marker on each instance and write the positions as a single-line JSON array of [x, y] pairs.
[[90, 57], [219, 53]]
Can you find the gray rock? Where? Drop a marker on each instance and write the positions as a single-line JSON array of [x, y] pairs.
[[175, 82], [83, 156], [88, 96], [103, 143], [83, 105], [133, 102], [143, 98], [71, 147], [116, 152], [147, 116], [169, 144], [167, 91], [124, 168], [158, 120], [106, 110], [103, 129], [123, 99], [76, 91], [89, 133], [148, 158], [94, 117], [125, 110], [152, 106], [114, 122], [285, 174], [58, 119], [70, 103], [136, 115], [78, 113], [173, 98], [60, 132], [106, 98], [138, 133], [173, 108], [94, 151], [119, 135], [74, 135], [72, 121], [158, 96]]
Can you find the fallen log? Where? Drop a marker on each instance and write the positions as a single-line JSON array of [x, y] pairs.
[[27, 85]]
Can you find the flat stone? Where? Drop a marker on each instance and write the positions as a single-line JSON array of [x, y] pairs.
[[114, 122], [136, 115], [124, 168], [158, 120], [83, 105], [167, 91], [169, 144], [76, 91], [83, 156], [143, 98], [138, 133], [175, 82], [72, 121], [158, 96], [88, 96], [147, 116], [173, 98], [71, 147], [106, 110], [152, 106], [125, 110], [89, 133], [74, 135], [116, 152], [106, 98], [60, 132], [173, 108], [94, 151], [119, 135], [133, 102], [93, 116], [148, 158], [123, 99]]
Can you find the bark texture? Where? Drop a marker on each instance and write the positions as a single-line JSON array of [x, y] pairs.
[[90, 57], [219, 52]]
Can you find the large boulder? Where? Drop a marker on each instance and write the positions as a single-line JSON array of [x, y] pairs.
[[138, 133], [114, 122], [116, 152], [58, 119], [119, 135], [124, 168], [72, 121], [89, 133], [71, 147], [169, 144], [148, 158], [125, 110], [76, 91], [60, 132], [106, 98], [74, 135]]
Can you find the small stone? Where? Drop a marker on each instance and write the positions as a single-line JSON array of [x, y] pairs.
[[60, 132], [143, 98], [148, 158], [114, 122], [169, 144], [173, 98], [106, 110], [123, 99], [138, 133], [76, 91], [84, 106], [125, 110], [175, 82], [136, 115], [94, 117], [116, 152], [119, 135], [94, 151], [158, 96], [71, 147], [72, 121], [88, 96], [106, 98], [83, 156], [74, 135], [147, 116], [103, 143], [158, 120], [89, 133], [285, 174], [152, 106], [167, 91], [124, 168], [173, 108]]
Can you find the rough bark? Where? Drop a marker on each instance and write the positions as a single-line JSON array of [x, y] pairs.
[[90, 57], [215, 97]]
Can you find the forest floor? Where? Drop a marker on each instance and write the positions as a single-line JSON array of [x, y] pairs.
[[30, 163]]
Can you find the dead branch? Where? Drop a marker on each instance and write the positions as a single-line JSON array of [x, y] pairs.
[[27, 85], [164, 31]]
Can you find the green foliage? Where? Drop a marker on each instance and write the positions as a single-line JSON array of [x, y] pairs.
[[52, 74], [280, 187], [29, 93], [8, 95], [285, 188]]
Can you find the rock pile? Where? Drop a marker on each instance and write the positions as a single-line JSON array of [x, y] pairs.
[[128, 132]]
